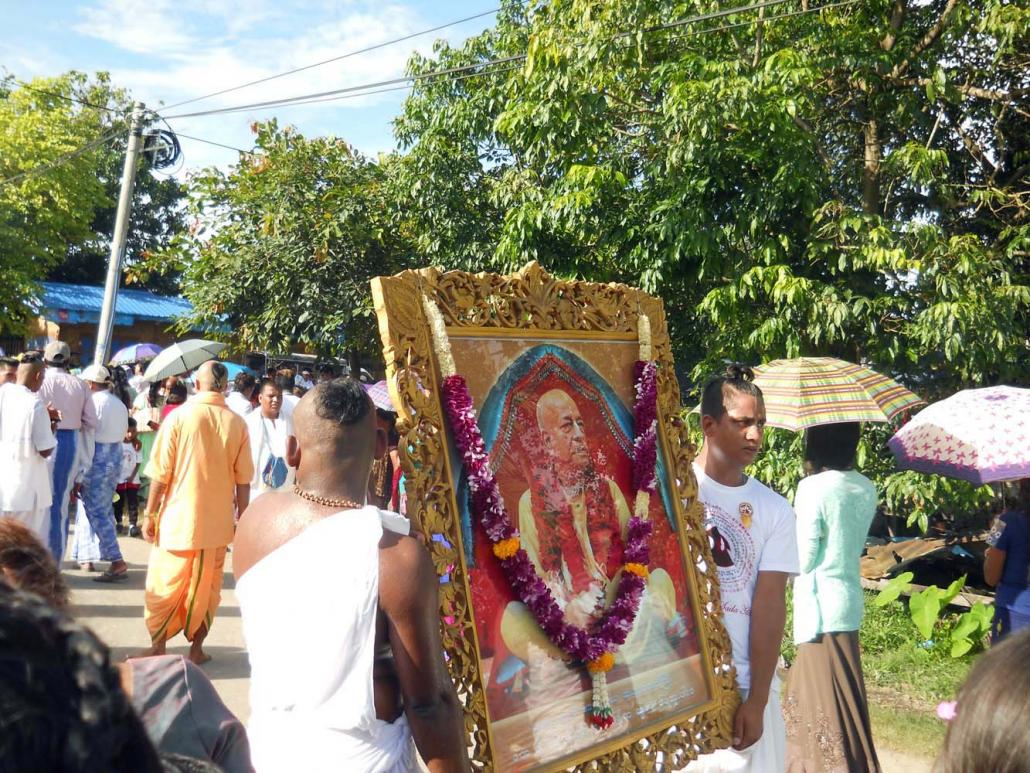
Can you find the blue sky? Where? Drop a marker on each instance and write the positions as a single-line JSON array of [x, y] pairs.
[[166, 51]]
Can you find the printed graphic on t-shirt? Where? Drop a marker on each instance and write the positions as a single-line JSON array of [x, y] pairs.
[[733, 551]]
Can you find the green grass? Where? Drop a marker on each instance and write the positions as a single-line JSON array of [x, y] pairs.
[[913, 734]]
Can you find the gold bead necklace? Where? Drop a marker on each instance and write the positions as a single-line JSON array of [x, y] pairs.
[[342, 504]]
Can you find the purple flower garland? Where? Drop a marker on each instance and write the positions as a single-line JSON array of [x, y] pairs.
[[610, 632]]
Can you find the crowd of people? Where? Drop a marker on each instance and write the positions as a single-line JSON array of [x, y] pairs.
[[300, 478]]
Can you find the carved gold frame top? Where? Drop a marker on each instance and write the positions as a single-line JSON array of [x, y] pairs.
[[534, 302]]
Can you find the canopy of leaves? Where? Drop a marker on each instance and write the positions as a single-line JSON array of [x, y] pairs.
[[48, 194], [57, 214], [284, 244], [791, 181], [850, 181]]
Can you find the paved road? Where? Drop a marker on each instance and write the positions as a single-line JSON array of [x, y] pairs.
[[115, 613]]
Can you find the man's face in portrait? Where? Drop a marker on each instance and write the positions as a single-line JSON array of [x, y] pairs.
[[561, 425]]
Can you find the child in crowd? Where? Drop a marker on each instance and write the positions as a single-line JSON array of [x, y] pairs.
[[128, 486]]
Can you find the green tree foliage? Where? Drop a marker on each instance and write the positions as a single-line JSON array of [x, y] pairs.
[[42, 212], [849, 182], [284, 244], [57, 223]]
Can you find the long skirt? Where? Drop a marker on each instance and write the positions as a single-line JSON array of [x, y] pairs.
[[826, 711]]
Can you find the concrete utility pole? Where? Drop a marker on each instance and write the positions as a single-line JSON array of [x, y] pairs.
[[121, 229]]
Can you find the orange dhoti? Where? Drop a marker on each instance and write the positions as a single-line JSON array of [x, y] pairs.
[[184, 588]]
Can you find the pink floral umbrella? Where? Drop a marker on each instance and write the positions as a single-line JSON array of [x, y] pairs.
[[979, 435]]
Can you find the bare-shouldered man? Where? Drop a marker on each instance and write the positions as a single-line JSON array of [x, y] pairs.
[[307, 564]]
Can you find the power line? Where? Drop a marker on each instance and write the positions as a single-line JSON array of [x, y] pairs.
[[57, 95], [766, 20], [212, 142], [298, 102], [60, 159], [451, 70], [335, 58]]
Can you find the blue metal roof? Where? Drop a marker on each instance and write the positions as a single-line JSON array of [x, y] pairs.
[[82, 303]]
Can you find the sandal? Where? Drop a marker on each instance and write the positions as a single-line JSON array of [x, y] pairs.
[[109, 576]]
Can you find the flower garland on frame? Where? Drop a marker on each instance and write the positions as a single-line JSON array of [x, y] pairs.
[[595, 647]]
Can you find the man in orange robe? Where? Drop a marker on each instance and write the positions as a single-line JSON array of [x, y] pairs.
[[200, 471]]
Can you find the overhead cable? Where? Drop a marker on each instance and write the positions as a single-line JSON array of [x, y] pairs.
[[375, 47], [58, 95], [464, 68]]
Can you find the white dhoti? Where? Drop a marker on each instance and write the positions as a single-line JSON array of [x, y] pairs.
[[766, 755]]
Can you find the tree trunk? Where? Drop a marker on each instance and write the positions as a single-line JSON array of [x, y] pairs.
[[354, 362]]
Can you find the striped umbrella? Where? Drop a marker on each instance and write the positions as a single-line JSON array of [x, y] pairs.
[[979, 435], [809, 391]]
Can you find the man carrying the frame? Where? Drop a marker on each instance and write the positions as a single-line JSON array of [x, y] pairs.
[[752, 534]]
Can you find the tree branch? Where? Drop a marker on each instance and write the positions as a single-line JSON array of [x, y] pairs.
[[897, 17], [759, 30], [927, 40]]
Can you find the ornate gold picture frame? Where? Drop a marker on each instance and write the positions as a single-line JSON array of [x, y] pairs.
[[497, 324]]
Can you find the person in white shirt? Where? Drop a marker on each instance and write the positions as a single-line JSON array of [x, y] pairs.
[[289, 401], [102, 477], [26, 439], [269, 430], [238, 400], [754, 547], [303, 380]]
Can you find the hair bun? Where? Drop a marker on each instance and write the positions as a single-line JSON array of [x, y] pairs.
[[739, 372]]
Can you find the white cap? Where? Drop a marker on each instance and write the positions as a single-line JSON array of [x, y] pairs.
[[98, 374]]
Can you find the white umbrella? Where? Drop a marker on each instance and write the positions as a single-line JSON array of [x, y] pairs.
[[181, 358]]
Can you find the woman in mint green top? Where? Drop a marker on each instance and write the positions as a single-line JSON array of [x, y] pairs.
[[826, 713]]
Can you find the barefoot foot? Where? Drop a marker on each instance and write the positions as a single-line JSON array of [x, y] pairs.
[[157, 649], [199, 657]]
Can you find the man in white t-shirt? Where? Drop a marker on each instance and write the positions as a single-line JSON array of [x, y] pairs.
[[754, 547]]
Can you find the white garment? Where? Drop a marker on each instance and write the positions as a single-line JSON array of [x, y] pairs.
[[131, 457], [267, 439], [750, 530], [143, 412], [24, 432], [766, 755], [309, 620], [289, 403], [112, 418], [238, 404]]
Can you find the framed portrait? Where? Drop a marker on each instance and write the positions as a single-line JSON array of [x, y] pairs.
[[549, 366]]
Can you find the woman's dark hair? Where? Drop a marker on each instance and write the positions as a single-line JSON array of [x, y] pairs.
[[988, 734], [243, 382], [269, 382], [832, 446], [120, 385], [154, 393], [739, 378], [28, 565], [62, 707], [392, 438], [178, 391]]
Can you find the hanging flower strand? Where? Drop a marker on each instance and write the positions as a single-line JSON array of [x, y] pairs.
[[595, 647]]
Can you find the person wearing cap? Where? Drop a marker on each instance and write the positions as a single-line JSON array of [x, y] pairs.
[[26, 439], [382, 483], [102, 479], [303, 380], [70, 397]]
